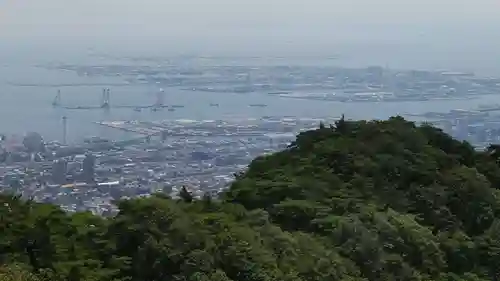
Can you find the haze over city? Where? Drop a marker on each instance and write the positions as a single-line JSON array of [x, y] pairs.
[[426, 33], [139, 96], [249, 140]]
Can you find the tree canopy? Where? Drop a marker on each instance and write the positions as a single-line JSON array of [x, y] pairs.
[[354, 200]]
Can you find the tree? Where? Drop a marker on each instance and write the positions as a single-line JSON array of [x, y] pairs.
[[341, 125], [185, 195]]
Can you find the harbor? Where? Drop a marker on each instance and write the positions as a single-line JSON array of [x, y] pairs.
[[187, 125]]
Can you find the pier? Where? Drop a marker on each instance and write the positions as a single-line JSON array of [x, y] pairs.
[[152, 129], [131, 127]]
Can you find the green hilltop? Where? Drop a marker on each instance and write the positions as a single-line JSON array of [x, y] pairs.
[[355, 200]]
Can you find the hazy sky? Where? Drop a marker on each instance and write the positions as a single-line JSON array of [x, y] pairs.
[[194, 17], [235, 23]]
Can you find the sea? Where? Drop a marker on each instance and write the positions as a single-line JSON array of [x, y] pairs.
[[27, 91]]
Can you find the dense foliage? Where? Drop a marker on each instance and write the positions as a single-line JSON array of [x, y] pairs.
[[378, 200]]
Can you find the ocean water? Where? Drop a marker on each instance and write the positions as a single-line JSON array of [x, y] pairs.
[[28, 108]]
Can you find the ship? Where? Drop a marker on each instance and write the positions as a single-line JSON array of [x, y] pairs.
[[257, 105]]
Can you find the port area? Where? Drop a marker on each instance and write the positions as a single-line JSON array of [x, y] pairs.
[[138, 127], [480, 127], [177, 128]]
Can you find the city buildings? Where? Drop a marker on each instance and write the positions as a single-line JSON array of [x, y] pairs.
[[203, 155]]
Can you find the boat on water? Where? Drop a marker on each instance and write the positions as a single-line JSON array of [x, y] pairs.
[[214, 104], [257, 105]]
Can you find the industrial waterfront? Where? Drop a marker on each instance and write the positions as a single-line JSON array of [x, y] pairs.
[[84, 135], [33, 97]]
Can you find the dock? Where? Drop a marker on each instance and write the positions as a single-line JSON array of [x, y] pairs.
[[130, 126], [150, 129]]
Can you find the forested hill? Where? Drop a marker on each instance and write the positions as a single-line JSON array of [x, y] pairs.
[[377, 200]]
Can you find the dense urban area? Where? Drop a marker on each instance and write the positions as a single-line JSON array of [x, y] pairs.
[[371, 84], [204, 155]]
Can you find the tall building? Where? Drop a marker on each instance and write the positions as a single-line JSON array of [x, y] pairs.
[[59, 169], [89, 168]]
